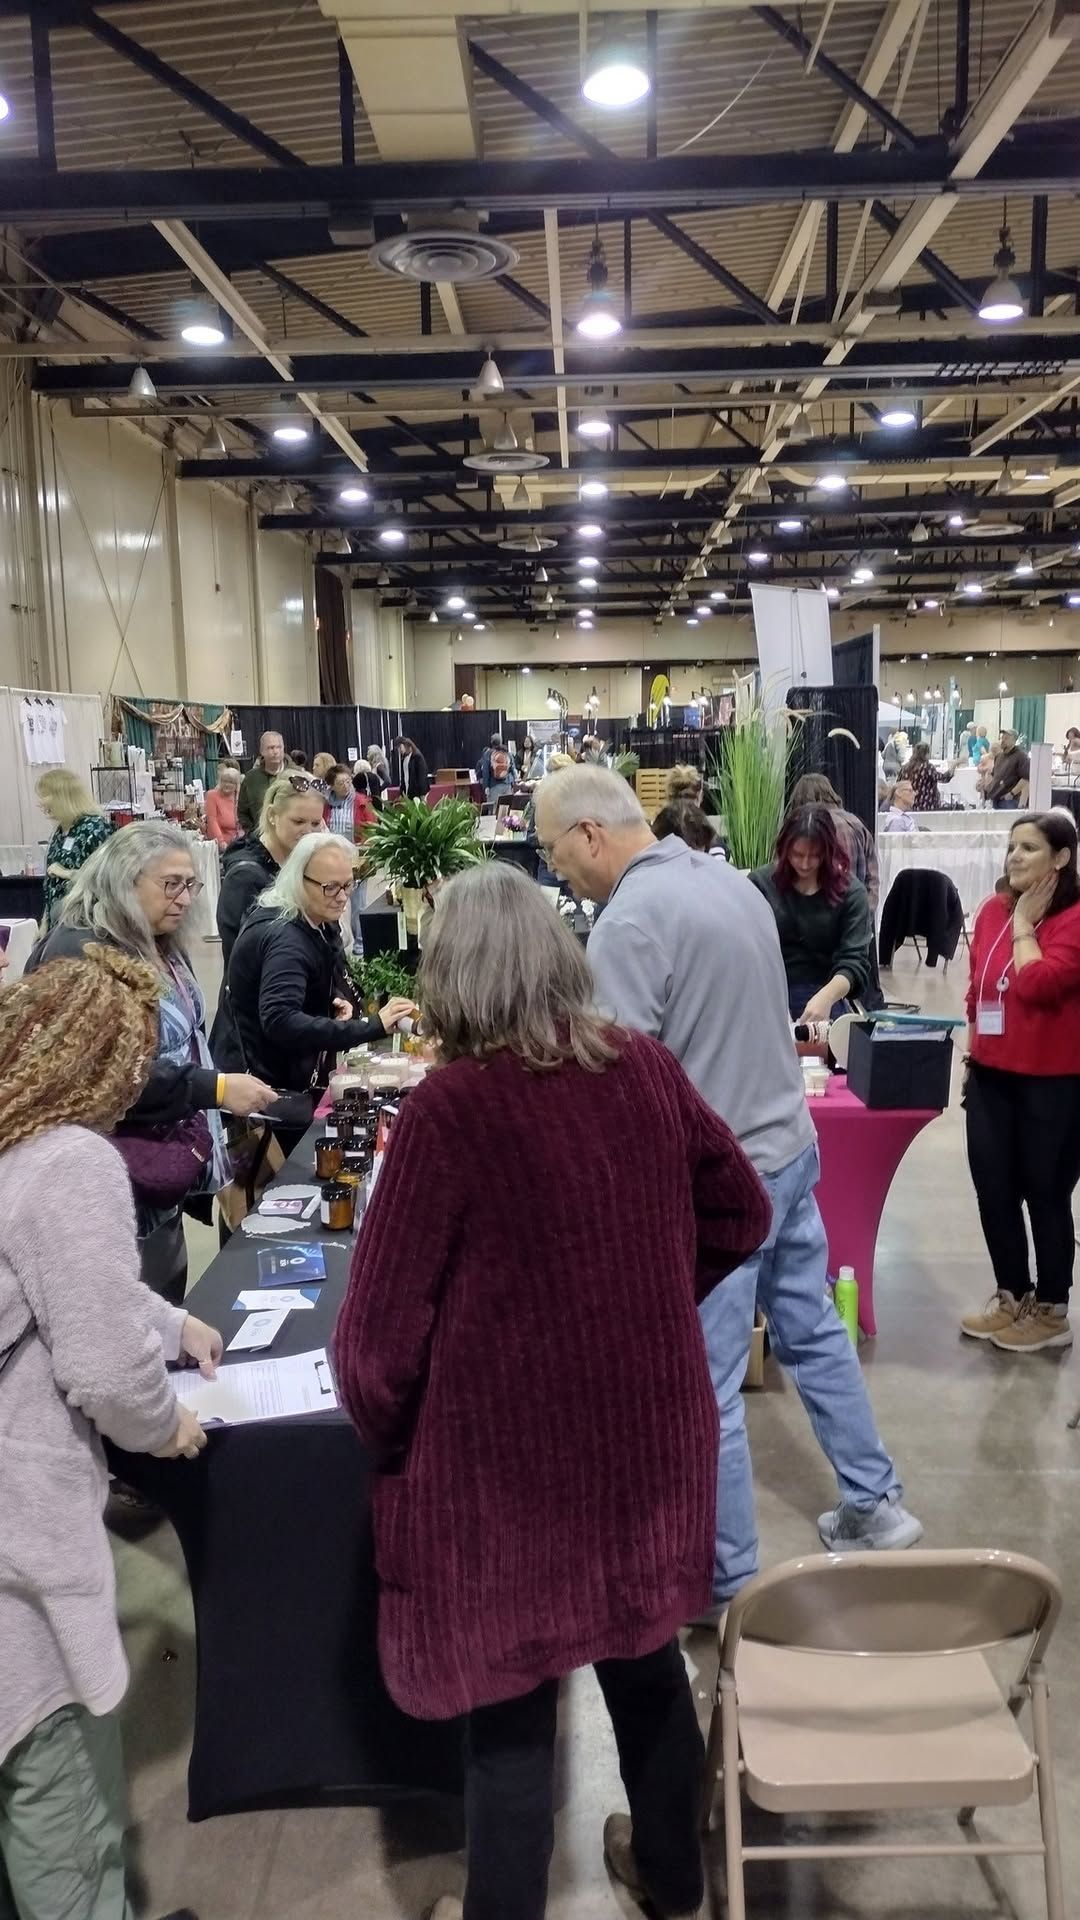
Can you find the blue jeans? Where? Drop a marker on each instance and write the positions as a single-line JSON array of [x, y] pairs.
[[786, 1278]]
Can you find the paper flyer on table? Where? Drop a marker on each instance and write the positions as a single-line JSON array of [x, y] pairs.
[[260, 1390]]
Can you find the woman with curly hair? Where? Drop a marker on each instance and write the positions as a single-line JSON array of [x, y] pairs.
[[83, 1347], [822, 914]]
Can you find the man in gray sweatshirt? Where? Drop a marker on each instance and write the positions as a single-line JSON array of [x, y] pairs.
[[687, 950]]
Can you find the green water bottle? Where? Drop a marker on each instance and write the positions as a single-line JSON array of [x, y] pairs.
[[846, 1296]]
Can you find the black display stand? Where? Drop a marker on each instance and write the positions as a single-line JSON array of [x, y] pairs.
[[820, 748]]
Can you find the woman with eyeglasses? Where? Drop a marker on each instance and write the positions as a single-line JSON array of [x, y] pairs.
[[133, 894], [290, 998], [293, 806]]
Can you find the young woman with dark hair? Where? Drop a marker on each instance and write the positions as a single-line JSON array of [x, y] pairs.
[[687, 821], [1023, 1084], [924, 779], [822, 914]]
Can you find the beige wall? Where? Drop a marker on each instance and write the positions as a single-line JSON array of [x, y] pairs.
[[158, 587]]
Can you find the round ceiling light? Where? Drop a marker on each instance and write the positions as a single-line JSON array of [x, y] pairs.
[[292, 430], [1003, 300], [353, 495], [392, 536], [614, 78], [592, 490], [898, 413], [790, 526], [590, 532], [200, 323], [594, 424], [832, 482]]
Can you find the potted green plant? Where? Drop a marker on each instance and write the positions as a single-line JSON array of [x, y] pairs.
[[626, 764], [416, 845], [749, 776], [379, 978]]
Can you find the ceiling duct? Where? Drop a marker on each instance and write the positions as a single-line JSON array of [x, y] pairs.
[[531, 542], [443, 247], [519, 460]]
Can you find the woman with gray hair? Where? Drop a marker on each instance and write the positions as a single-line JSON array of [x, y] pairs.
[[133, 894], [547, 1441], [288, 1007]]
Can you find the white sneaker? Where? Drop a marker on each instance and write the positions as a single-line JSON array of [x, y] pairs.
[[884, 1528]]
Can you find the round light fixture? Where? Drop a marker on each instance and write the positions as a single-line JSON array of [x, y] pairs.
[[757, 556], [587, 561], [790, 526], [832, 482], [704, 612], [1024, 567], [692, 621], [1074, 599], [592, 490], [613, 77], [598, 320], [588, 581], [455, 602], [594, 424], [973, 588], [590, 531], [931, 606], [861, 575], [898, 413], [392, 536], [291, 431], [718, 594], [201, 322], [832, 593], [1003, 300], [467, 613], [353, 495], [5, 106]]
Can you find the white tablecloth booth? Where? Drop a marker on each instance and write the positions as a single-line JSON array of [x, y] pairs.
[[973, 858]]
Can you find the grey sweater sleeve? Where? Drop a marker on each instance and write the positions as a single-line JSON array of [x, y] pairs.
[[103, 1327]]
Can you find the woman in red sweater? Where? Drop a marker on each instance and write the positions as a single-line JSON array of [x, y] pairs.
[[1023, 1085], [547, 1436]]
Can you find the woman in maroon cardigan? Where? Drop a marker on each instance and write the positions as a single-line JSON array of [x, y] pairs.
[[546, 1436]]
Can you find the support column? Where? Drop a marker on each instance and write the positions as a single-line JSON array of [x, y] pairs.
[[176, 577]]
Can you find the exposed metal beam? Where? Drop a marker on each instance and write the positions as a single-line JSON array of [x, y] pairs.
[[346, 106], [669, 514], [553, 116], [554, 278], [652, 105], [1026, 358], [527, 299], [294, 291], [149, 63], [959, 295], [1019, 416], [832, 254], [1037, 297], [1044, 163], [44, 120], [847, 84], [487, 558], [962, 81]]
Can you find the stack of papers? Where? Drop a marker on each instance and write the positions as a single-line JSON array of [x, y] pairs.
[[260, 1390]]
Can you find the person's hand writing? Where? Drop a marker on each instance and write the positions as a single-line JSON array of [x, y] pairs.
[[244, 1094], [188, 1441], [202, 1345], [1033, 906], [394, 1010], [343, 1009]]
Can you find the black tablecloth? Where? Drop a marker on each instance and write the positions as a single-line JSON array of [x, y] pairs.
[[274, 1520]]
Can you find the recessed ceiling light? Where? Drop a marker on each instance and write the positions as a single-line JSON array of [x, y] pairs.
[[588, 561], [790, 526], [588, 581], [353, 495], [757, 556], [613, 77], [704, 611], [590, 532], [292, 430], [1074, 599], [392, 536], [455, 602], [692, 620], [468, 614], [481, 627], [832, 482], [718, 594], [898, 413], [526, 669], [592, 490], [968, 658]]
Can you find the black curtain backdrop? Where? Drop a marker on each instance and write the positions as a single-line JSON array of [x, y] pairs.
[[852, 770], [445, 739], [853, 661], [335, 676]]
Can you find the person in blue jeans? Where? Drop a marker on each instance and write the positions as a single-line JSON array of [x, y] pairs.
[[687, 950]]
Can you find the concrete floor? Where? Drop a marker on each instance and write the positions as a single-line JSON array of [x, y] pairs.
[[987, 1461]]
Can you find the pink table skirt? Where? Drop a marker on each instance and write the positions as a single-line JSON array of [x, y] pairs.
[[861, 1148]]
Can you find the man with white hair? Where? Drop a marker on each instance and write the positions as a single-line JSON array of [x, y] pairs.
[[687, 950], [257, 778]]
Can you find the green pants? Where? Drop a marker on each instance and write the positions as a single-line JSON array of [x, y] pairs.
[[63, 1814]]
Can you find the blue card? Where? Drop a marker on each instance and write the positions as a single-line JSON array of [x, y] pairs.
[[290, 1264]]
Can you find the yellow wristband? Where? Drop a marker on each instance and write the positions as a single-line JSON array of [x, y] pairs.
[[219, 1091]]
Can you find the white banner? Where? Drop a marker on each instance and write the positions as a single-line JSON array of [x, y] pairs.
[[794, 641]]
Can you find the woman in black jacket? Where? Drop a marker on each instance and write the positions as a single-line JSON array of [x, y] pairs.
[[133, 894], [413, 777], [292, 807], [289, 1006]]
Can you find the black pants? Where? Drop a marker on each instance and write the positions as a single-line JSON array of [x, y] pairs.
[[509, 1792], [1023, 1143]]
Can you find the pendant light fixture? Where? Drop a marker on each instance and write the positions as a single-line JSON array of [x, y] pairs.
[[489, 382], [213, 443], [598, 320], [614, 77], [506, 440], [593, 423], [353, 494], [898, 413], [200, 321], [433, 618], [1003, 300], [141, 387], [520, 495], [1024, 567], [542, 576], [292, 429]]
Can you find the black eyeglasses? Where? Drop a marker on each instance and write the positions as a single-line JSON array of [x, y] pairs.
[[331, 889], [301, 782]]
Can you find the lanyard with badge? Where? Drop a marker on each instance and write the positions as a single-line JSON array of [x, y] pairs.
[[990, 1013]]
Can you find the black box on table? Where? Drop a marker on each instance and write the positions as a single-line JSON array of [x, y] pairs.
[[900, 1066]]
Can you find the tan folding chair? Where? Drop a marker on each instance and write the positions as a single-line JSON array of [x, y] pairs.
[[859, 1683]]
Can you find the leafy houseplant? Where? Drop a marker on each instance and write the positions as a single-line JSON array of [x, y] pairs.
[[415, 845], [379, 978], [626, 764]]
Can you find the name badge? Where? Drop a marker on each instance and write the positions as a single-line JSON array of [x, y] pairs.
[[990, 1017]]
